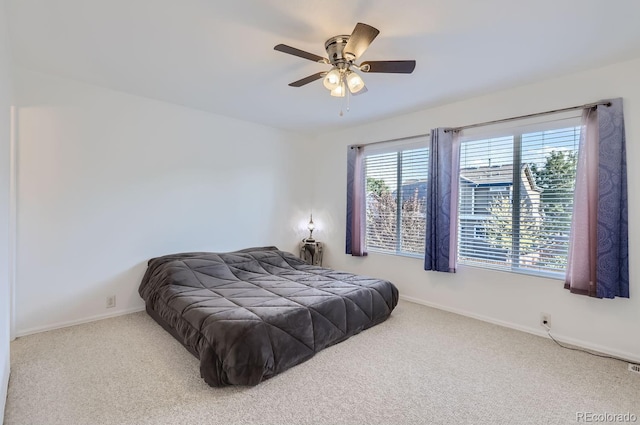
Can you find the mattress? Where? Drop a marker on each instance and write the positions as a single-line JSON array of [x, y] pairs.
[[249, 315]]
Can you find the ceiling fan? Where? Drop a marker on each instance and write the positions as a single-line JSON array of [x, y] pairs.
[[343, 52]]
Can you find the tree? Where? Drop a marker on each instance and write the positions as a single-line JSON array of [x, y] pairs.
[[413, 219], [377, 186], [543, 233], [499, 227], [500, 230], [382, 218], [557, 181]]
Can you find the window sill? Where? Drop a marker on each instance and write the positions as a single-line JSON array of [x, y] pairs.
[[543, 275], [397, 254]]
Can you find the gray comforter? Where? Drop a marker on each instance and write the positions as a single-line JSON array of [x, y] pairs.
[[251, 314]]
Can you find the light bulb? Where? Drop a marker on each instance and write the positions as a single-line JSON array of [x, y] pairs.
[[332, 79], [338, 91], [354, 81], [310, 226]]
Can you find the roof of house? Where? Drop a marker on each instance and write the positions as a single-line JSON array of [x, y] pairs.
[[493, 175], [497, 175]]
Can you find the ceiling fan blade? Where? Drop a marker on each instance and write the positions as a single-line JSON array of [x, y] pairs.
[[394, 67], [359, 41], [300, 53], [307, 80]]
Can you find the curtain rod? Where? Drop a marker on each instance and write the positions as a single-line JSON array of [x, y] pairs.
[[538, 114], [399, 139]]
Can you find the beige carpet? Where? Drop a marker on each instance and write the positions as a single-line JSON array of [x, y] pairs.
[[422, 366]]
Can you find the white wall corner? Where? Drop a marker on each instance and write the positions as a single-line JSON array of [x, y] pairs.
[[13, 211]]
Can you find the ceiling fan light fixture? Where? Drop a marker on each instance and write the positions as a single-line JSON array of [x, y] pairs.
[[354, 82], [333, 79]]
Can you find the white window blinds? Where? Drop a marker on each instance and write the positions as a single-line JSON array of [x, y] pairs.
[[516, 198], [396, 176]]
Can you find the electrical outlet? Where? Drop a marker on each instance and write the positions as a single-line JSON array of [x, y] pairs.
[[111, 301], [634, 368], [545, 320]]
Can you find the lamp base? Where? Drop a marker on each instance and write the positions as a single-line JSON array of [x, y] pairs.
[[311, 251]]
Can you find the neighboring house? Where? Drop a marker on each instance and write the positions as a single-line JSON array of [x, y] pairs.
[[414, 188], [480, 187]]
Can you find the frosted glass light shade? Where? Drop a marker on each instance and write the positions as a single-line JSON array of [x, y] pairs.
[[332, 79], [338, 91], [354, 81]]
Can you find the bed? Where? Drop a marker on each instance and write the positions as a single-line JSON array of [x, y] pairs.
[[249, 315]]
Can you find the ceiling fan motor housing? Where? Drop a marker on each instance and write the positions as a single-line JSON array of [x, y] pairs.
[[335, 50]]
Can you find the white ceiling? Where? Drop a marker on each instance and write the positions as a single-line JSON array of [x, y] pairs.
[[218, 55]]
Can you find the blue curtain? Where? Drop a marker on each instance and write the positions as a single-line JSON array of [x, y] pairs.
[[599, 250], [613, 247], [356, 219], [442, 185]]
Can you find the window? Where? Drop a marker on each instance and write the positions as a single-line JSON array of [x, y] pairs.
[[396, 177], [516, 197]]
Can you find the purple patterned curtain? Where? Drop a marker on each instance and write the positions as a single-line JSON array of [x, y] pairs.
[[598, 263], [356, 218], [442, 201]]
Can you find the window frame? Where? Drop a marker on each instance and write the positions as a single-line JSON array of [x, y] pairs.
[[522, 127], [395, 146]]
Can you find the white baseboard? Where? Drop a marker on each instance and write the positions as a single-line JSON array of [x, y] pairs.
[[600, 349], [59, 325]]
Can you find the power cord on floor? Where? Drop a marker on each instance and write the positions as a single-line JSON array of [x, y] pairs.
[[604, 356]]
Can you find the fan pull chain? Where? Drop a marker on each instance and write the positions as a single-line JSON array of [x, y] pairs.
[[342, 102], [348, 98]]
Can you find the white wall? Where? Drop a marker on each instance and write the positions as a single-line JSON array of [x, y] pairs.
[[5, 296], [107, 180], [500, 297]]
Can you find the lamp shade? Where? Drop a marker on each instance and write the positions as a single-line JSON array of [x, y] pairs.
[[339, 91], [354, 81], [333, 79]]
